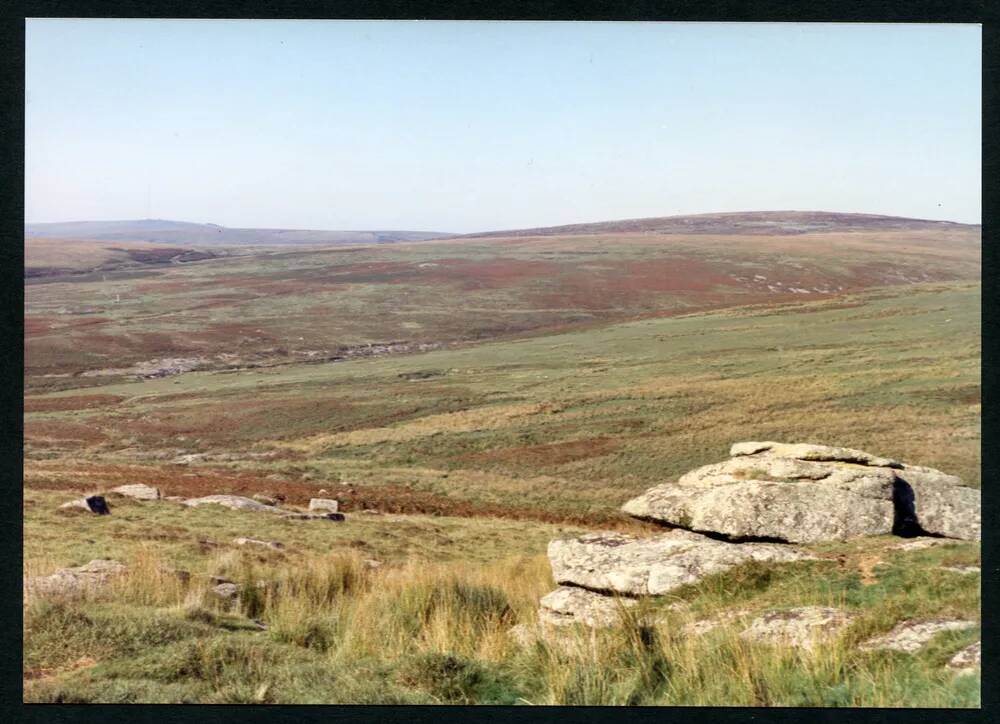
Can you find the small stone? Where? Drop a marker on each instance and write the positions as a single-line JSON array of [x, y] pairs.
[[236, 502], [918, 544], [273, 545], [323, 504], [139, 491], [335, 517], [913, 635], [968, 660], [227, 591]]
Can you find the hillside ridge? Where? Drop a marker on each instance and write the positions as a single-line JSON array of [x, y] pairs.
[[737, 222], [186, 232]]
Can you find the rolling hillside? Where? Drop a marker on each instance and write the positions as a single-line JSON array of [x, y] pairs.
[[741, 222], [182, 232]]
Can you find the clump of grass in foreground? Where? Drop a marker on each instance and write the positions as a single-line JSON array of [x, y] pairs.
[[338, 632]]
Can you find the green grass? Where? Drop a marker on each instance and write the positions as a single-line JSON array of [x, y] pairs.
[[573, 423], [427, 632], [576, 422]]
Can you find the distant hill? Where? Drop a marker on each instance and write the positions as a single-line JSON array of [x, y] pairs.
[[741, 222], [183, 232]]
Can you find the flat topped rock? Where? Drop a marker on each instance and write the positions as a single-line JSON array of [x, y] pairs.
[[272, 544], [803, 493], [236, 502], [808, 451], [913, 635], [68, 581], [802, 628], [139, 491], [797, 512], [325, 504], [633, 566], [570, 605]]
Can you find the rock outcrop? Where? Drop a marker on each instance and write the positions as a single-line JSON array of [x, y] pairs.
[[799, 627], [753, 507], [569, 605], [623, 564], [812, 493]]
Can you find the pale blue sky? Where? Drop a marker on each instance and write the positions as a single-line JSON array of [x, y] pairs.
[[465, 126]]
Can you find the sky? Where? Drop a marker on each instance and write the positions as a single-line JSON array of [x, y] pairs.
[[474, 126]]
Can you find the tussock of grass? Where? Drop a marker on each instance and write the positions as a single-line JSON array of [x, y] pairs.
[[421, 632]]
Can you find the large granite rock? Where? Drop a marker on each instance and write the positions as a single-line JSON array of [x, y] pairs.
[[633, 566], [812, 493]]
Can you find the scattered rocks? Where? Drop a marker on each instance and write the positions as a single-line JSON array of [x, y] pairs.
[[235, 502], [812, 493], [913, 635], [72, 581], [968, 660], [273, 545], [652, 566], [799, 627], [323, 504], [92, 504], [569, 605], [139, 491]]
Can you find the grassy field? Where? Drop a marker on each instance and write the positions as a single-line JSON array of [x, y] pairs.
[[470, 458], [572, 423], [418, 630], [281, 307]]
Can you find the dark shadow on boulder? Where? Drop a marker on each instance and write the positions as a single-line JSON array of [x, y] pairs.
[[905, 522], [715, 535], [98, 505]]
